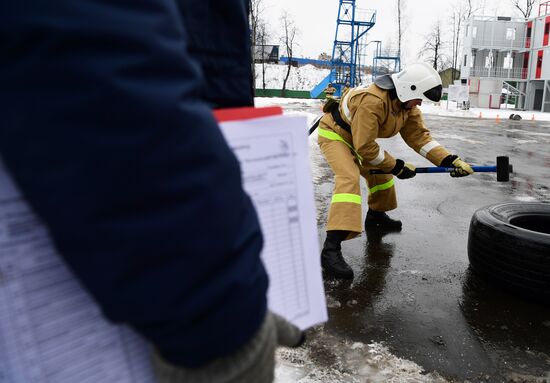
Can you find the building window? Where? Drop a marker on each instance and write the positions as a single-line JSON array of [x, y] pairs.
[[510, 33], [465, 60], [508, 62], [474, 32]]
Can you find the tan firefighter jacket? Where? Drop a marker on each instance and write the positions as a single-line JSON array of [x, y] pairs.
[[372, 114]]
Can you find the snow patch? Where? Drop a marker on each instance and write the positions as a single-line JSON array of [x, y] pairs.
[[525, 198], [355, 362], [308, 76], [301, 78]]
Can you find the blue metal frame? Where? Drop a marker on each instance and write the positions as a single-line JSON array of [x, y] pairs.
[[379, 57], [349, 45], [350, 35]]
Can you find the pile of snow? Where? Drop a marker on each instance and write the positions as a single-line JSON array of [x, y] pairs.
[[354, 363], [302, 78]]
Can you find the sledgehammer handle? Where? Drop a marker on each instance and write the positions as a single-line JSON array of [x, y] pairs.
[[441, 169], [503, 169]]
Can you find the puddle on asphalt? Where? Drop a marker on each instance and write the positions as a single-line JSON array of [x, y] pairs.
[[516, 329]]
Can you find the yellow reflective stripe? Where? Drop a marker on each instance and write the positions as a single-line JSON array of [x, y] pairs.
[[331, 135], [383, 186], [346, 197], [336, 137]]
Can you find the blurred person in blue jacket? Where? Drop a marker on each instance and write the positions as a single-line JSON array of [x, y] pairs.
[[107, 129]]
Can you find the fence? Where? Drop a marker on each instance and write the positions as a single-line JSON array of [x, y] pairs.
[[287, 93], [499, 72]]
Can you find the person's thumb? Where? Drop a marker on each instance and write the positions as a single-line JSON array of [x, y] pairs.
[[287, 334]]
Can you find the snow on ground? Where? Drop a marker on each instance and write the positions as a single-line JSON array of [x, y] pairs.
[[357, 363], [302, 78], [451, 110], [441, 109], [308, 76]]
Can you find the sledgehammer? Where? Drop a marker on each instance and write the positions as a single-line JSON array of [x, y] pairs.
[[503, 169]]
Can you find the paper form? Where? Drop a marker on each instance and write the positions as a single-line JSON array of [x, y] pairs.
[[51, 331], [273, 154]]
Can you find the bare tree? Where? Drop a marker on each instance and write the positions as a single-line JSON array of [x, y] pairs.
[[401, 26], [524, 6], [287, 39], [434, 49], [262, 40], [471, 8], [256, 9], [458, 18]]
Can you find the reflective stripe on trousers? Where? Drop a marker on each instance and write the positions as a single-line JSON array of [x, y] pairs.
[[384, 186], [346, 197]]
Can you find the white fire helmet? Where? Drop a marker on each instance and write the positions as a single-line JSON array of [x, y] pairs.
[[418, 81]]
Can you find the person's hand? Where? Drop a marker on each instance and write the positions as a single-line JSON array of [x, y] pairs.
[[462, 169], [288, 335], [403, 170], [253, 362]]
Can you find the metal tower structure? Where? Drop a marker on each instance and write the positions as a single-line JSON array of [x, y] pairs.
[[352, 26], [349, 53], [384, 63]]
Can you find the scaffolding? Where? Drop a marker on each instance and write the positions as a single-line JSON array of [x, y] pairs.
[[384, 62], [349, 53], [352, 26]]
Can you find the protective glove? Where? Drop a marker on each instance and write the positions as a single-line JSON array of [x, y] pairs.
[[462, 169], [403, 170], [252, 363]]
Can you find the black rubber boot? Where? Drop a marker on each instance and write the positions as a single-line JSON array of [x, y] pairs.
[[381, 221], [331, 257]]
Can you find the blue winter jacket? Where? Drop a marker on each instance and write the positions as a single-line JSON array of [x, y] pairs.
[[106, 126]]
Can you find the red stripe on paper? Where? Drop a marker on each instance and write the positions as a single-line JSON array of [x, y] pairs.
[[246, 113]]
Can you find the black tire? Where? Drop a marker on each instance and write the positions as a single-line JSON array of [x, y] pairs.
[[509, 245]]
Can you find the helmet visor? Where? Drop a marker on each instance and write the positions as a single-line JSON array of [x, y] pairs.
[[434, 94]]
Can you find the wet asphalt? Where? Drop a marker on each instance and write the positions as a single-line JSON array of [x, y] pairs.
[[413, 290]]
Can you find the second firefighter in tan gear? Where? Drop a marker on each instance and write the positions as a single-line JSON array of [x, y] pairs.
[[347, 138]]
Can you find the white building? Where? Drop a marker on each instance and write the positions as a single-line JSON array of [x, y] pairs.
[[500, 52]]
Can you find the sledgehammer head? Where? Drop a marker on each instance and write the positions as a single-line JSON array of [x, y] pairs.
[[503, 169]]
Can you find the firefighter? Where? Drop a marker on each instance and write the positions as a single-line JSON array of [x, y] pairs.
[[329, 91], [347, 135], [345, 89]]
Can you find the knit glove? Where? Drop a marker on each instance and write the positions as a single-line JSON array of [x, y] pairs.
[[252, 363]]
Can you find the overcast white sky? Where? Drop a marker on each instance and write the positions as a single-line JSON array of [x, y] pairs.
[[316, 21]]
